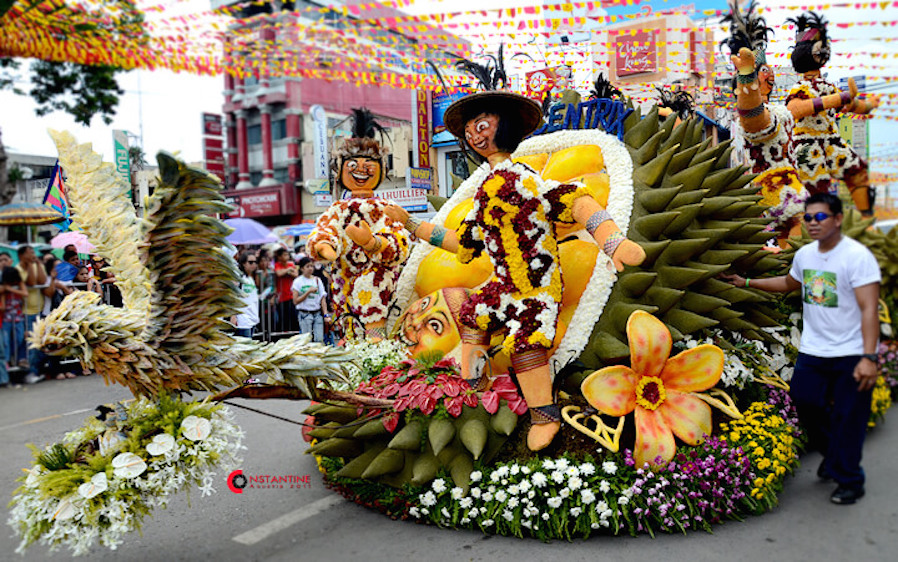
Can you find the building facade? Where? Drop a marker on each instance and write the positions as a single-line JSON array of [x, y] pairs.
[[270, 134]]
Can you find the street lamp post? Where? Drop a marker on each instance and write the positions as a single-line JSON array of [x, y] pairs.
[[27, 174]]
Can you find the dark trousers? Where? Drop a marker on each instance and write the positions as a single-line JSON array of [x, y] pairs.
[[834, 413], [287, 322]]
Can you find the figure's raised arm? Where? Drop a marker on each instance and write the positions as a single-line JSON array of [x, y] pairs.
[[600, 225], [753, 114], [803, 106], [435, 234]]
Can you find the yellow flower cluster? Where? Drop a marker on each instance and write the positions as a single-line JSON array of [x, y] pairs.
[[882, 401], [767, 440]]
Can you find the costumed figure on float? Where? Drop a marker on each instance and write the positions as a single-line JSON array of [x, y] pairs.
[[766, 128], [513, 221], [821, 155], [367, 246]]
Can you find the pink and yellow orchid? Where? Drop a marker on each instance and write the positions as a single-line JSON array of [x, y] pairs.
[[659, 388]]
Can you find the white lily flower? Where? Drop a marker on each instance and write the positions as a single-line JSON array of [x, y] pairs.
[[161, 444], [128, 465], [97, 485], [33, 476], [65, 510], [196, 428]]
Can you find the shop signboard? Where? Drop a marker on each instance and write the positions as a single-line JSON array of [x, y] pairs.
[[408, 199], [422, 129], [251, 205], [212, 124], [439, 102], [319, 119], [636, 53], [419, 178]]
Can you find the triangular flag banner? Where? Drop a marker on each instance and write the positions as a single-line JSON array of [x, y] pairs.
[[55, 197]]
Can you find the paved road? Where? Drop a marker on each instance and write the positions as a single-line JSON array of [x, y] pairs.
[[312, 524]]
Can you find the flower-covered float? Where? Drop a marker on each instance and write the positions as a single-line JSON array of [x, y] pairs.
[[671, 385]]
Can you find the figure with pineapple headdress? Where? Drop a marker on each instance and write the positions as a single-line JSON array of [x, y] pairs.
[[821, 154], [513, 222], [366, 245]]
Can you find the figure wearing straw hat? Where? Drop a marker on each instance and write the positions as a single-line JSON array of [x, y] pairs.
[[512, 221]]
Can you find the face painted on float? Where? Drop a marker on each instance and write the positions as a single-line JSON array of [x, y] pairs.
[[429, 325], [766, 78], [480, 134], [361, 174]]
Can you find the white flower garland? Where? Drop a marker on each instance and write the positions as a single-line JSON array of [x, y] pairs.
[[619, 166], [93, 511]]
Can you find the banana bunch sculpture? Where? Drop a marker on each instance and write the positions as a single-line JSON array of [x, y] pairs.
[[178, 283]]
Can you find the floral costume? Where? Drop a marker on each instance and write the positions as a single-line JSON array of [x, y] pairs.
[[512, 219], [364, 285], [771, 152], [821, 154]]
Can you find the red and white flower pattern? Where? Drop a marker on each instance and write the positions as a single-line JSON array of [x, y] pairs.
[[364, 285], [821, 154]]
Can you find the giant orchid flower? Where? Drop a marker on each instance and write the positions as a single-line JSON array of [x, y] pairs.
[[659, 388]]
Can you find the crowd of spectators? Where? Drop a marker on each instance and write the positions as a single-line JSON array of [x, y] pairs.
[[291, 294], [30, 291]]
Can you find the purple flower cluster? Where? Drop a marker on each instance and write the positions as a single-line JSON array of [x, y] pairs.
[[782, 402], [698, 487]]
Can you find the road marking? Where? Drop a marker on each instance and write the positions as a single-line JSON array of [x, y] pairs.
[[46, 418], [57, 416], [287, 520]]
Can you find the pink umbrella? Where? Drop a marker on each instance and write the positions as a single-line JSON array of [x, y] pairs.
[[82, 244]]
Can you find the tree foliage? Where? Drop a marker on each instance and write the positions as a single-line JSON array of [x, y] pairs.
[[81, 91]]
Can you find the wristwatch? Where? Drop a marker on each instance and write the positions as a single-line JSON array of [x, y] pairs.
[[871, 356]]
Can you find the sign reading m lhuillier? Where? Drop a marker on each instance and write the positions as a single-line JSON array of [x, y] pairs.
[[408, 199]]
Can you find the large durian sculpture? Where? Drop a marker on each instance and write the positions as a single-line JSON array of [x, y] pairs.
[[178, 283], [668, 190]]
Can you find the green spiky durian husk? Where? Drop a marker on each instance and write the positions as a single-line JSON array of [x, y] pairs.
[[696, 218], [408, 454]]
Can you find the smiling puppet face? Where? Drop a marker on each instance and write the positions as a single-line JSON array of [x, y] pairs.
[[361, 174], [480, 134]]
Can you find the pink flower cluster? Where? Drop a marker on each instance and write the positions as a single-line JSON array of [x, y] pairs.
[[414, 386]]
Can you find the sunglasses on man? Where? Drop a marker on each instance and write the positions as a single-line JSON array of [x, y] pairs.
[[251, 262], [819, 217]]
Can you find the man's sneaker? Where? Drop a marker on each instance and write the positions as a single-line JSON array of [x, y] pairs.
[[822, 473], [31, 378], [846, 496]]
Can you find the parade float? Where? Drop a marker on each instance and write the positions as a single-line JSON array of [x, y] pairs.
[[663, 390], [671, 383]]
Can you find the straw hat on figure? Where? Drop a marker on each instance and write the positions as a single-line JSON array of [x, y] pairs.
[[366, 245], [513, 221]]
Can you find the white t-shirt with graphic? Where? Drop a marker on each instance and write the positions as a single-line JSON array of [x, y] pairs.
[[313, 301], [832, 316], [249, 315]]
